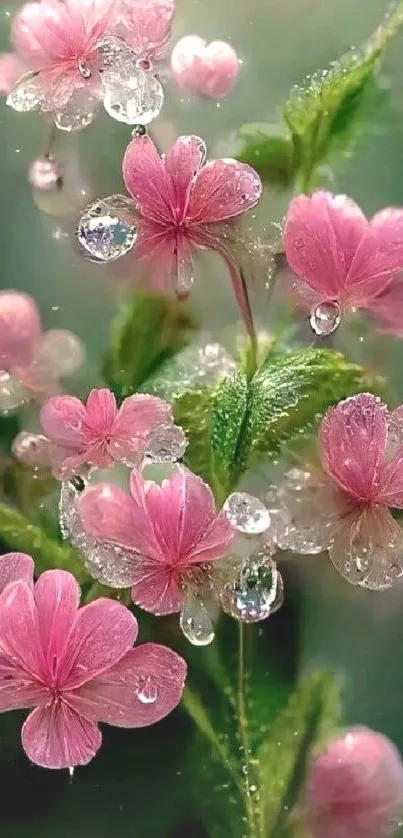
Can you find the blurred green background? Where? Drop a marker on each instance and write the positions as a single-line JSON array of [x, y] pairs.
[[135, 788]]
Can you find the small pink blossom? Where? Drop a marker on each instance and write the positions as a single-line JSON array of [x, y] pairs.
[[182, 205], [31, 361], [97, 433], [355, 788], [75, 666], [171, 534], [208, 69], [338, 254]]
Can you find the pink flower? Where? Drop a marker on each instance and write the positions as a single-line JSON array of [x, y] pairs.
[[31, 362], [347, 509], [76, 666], [355, 789], [98, 433], [146, 25], [210, 70], [182, 205], [343, 260], [171, 535]]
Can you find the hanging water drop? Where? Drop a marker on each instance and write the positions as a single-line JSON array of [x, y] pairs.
[[195, 621], [147, 690], [45, 174], [166, 445], [247, 513], [105, 235], [257, 592], [136, 99], [325, 318], [12, 393], [32, 450]]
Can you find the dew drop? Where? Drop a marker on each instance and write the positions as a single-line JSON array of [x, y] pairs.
[[247, 513], [12, 393], [195, 621], [325, 318], [105, 235], [147, 690], [166, 445], [256, 593], [31, 449], [137, 99]]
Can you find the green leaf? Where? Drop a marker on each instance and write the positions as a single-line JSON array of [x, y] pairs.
[[268, 151], [321, 114], [146, 332], [229, 410]]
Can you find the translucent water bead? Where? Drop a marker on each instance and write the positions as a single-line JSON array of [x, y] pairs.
[[132, 92], [31, 450], [257, 592], [364, 562], [12, 393], [147, 689], [247, 513], [303, 512], [166, 445], [104, 230], [195, 620], [325, 318]]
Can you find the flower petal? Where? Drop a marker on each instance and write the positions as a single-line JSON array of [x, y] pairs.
[[11, 69], [368, 549], [155, 589], [144, 176], [101, 412], [352, 442], [388, 307], [57, 597], [114, 696], [379, 257], [62, 419], [215, 543], [18, 691], [321, 237], [223, 189], [155, 250], [15, 567], [102, 633], [182, 164], [140, 414], [148, 25], [19, 630], [109, 514], [20, 329], [57, 737]]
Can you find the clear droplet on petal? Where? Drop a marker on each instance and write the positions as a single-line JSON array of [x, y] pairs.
[[135, 100], [79, 111], [12, 393], [45, 174], [116, 56], [167, 444], [26, 94], [257, 591], [195, 620], [104, 232], [247, 513], [147, 689], [31, 450], [325, 318], [304, 512], [364, 562], [63, 351]]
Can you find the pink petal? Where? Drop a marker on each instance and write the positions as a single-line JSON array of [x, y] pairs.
[[140, 415], [156, 589], [182, 164], [223, 189], [56, 736], [110, 515], [148, 25], [19, 630], [352, 442], [17, 690], [321, 237], [388, 307], [390, 482], [57, 597], [102, 633], [220, 70], [11, 69], [215, 543], [367, 548], [20, 329], [144, 176], [16, 567], [155, 249], [62, 419], [113, 696], [101, 412], [379, 257]]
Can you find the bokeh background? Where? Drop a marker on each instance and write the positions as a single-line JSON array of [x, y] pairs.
[[135, 788]]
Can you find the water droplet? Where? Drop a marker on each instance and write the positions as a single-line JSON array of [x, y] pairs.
[[166, 445], [84, 69], [134, 100], [247, 513], [325, 318], [31, 449], [103, 233], [257, 592], [195, 621], [147, 689], [12, 393], [26, 94], [71, 773], [45, 174]]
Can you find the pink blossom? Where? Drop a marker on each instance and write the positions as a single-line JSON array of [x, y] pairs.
[[31, 361], [210, 70], [339, 256], [11, 69], [97, 433], [76, 666], [171, 534], [146, 25], [355, 788], [182, 205]]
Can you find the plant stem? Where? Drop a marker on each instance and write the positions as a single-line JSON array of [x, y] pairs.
[[250, 788]]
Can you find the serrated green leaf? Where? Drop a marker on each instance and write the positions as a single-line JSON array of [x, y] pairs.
[[269, 152], [321, 113], [146, 332], [192, 411], [230, 404]]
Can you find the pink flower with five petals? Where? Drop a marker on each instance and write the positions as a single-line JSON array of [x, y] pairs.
[[97, 433], [171, 535], [183, 204], [75, 666]]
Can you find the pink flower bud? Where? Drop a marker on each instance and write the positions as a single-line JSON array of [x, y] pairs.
[[20, 329], [355, 789], [210, 70]]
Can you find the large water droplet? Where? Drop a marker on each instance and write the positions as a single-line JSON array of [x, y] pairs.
[[195, 621], [167, 444], [134, 100], [247, 513], [79, 111], [45, 174], [32, 450], [325, 318], [257, 592], [147, 689], [104, 232], [12, 393]]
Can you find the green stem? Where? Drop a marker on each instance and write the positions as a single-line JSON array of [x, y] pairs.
[[250, 788], [197, 712]]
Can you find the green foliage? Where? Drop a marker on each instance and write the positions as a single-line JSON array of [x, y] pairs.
[[269, 152], [146, 332]]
